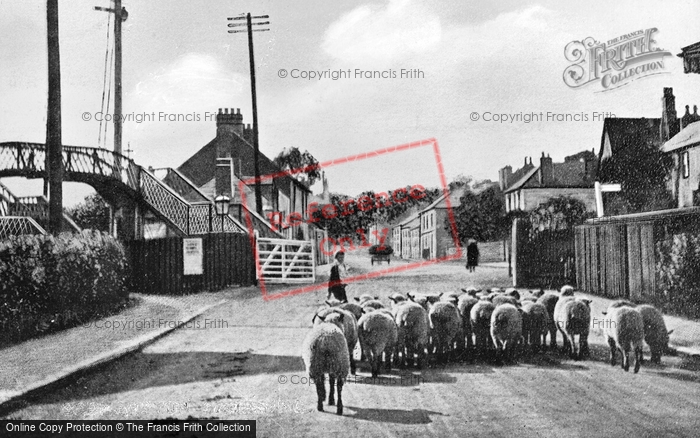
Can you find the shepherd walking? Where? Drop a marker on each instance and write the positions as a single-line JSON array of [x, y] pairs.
[[472, 255]]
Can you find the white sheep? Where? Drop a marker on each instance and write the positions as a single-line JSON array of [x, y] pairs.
[[445, 328], [566, 291], [573, 318], [412, 323], [549, 301], [353, 308], [349, 329], [535, 325], [378, 335], [465, 305], [325, 351], [655, 332], [506, 329], [624, 329], [480, 317]]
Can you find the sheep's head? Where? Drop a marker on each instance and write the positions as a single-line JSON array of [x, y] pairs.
[[471, 290], [586, 301], [513, 292], [335, 318], [397, 298], [566, 291]]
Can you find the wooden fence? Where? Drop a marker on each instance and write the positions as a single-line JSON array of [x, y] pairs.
[[158, 265], [616, 256]]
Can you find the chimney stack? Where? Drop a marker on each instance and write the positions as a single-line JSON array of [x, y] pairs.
[[504, 176], [670, 125], [229, 122], [546, 171]]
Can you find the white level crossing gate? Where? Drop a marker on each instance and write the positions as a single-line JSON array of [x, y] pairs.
[[286, 261]]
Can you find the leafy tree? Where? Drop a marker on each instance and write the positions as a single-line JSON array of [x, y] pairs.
[[481, 216], [346, 217], [92, 213], [642, 170], [292, 158], [558, 214]]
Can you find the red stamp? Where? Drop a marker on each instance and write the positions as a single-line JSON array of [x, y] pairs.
[[364, 203]]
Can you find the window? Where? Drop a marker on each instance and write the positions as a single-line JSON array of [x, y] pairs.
[[685, 164]]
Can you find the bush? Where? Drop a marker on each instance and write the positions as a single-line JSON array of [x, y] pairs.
[[49, 282], [383, 250], [678, 273]]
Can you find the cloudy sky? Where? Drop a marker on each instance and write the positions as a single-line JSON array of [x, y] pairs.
[[506, 57]]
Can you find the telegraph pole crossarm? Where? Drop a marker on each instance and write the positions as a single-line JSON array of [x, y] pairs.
[[249, 28]]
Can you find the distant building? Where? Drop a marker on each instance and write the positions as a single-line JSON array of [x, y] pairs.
[[218, 167], [530, 186], [691, 58]]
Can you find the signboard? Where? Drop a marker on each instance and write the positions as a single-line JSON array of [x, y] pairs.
[[192, 256]]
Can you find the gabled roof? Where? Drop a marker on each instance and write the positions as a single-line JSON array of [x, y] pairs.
[[688, 137], [441, 203], [618, 128], [522, 181]]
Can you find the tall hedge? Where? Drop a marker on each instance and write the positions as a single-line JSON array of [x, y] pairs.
[[678, 272], [53, 282]]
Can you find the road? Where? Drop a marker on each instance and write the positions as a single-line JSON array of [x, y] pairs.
[[245, 364]]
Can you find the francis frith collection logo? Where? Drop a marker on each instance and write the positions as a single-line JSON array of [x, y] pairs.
[[614, 63]]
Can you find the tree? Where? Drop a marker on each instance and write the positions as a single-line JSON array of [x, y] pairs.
[[92, 213], [558, 214], [292, 158], [480, 216], [642, 169]]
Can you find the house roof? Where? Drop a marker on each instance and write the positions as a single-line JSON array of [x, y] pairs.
[[208, 153], [441, 203], [688, 137], [522, 181], [619, 128]]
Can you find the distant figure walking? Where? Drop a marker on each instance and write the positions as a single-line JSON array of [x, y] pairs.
[[335, 283], [472, 255]]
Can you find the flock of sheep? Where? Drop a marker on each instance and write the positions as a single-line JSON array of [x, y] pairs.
[[470, 323]]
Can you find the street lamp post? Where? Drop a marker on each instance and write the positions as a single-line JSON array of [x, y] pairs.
[[221, 203]]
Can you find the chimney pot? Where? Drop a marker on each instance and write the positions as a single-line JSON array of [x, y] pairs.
[[695, 109], [238, 110], [687, 109], [220, 111], [225, 110]]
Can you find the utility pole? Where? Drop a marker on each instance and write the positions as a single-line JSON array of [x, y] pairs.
[[54, 148], [249, 28], [120, 15]]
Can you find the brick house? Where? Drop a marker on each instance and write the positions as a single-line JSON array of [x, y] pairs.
[[531, 186], [685, 149], [218, 167], [674, 135]]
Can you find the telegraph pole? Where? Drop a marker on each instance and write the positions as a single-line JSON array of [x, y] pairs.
[[120, 15], [54, 148], [249, 28]]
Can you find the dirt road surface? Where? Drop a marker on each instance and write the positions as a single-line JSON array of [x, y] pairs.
[[241, 360]]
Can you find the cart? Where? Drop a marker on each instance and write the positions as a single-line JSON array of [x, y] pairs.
[[381, 258]]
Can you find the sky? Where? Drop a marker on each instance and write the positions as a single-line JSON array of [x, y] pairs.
[[474, 57]]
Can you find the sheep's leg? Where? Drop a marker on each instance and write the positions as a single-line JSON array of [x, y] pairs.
[[320, 391], [374, 363], [339, 408], [352, 364], [625, 358], [574, 351], [613, 349], [637, 358], [331, 385], [583, 346], [552, 337]]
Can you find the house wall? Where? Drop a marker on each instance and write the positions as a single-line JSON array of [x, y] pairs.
[[686, 186]]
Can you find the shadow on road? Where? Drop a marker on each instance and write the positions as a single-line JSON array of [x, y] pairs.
[[139, 371], [415, 416]]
